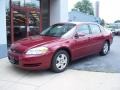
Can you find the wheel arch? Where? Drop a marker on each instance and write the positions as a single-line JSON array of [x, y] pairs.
[[65, 49], [108, 41]]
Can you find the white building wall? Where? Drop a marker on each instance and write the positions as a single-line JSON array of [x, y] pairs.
[[64, 11], [58, 11], [2, 22], [3, 40]]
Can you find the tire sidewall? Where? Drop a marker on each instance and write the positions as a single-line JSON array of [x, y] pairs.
[[53, 65], [102, 51]]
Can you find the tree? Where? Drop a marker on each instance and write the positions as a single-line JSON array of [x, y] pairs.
[[84, 6]]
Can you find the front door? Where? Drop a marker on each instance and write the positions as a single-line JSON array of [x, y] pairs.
[[82, 42]]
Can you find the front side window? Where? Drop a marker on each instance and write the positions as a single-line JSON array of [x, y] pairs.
[[95, 29], [57, 30], [83, 29]]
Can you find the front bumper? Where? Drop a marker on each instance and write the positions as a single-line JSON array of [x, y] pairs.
[[31, 62]]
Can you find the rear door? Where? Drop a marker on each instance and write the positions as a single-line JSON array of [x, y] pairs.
[[96, 38]]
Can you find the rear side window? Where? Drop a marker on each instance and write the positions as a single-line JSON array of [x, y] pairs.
[[83, 29], [95, 29]]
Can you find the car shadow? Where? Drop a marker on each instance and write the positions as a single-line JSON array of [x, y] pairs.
[[82, 61], [34, 73], [93, 63], [85, 59]]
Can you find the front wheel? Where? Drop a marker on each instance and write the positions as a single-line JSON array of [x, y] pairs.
[[60, 61], [105, 49]]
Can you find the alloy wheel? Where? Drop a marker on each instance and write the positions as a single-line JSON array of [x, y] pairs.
[[61, 61]]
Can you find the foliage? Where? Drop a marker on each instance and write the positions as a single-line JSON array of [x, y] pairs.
[[84, 6]]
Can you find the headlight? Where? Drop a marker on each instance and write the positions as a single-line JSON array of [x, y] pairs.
[[37, 50]]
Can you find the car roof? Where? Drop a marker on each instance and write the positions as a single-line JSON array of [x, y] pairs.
[[78, 23]]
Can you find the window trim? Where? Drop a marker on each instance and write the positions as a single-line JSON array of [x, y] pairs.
[[91, 29], [81, 25]]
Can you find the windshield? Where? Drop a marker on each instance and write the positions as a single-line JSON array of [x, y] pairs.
[[57, 30]]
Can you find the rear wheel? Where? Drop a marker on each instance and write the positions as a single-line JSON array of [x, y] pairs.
[[60, 61], [105, 49]]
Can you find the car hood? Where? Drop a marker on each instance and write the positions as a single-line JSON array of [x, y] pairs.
[[32, 41]]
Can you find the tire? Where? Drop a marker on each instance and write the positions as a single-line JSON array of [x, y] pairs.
[[60, 61], [105, 49]]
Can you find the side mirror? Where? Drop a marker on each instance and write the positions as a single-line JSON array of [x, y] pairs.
[[77, 35]]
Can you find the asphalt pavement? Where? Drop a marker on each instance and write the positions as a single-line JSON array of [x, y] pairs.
[[109, 63]]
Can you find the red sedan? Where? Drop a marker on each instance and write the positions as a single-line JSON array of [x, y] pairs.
[[59, 44]]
